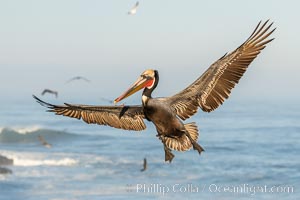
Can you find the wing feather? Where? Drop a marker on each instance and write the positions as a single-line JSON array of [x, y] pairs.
[[211, 89], [122, 117]]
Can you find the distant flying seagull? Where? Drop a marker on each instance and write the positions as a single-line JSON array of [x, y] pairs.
[[133, 10], [144, 165], [78, 78], [44, 142], [50, 91]]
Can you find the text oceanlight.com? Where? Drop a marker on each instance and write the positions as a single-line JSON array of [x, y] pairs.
[[156, 188]]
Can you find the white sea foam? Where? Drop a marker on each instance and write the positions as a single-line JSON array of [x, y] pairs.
[[49, 162], [22, 130], [25, 130], [29, 159]]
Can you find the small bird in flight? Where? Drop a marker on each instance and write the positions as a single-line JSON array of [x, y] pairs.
[[144, 165], [50, 91], [133, 10], [78, 78], [44, 142]]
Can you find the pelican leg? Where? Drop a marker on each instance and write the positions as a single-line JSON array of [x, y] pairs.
[[196, 146], [168, 154]]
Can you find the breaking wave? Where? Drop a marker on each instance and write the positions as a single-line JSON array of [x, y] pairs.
[[27, 159], [48, 162], [30, 134]]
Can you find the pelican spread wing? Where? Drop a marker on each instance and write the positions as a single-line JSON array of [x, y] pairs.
[[211, 89], [122, 117]]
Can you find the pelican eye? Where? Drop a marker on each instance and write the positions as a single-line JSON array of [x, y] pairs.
[[144, 76]]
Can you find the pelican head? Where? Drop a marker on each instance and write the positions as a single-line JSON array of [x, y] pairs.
[[148, 80]]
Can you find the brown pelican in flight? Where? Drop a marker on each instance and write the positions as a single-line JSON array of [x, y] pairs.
[[78, 78], [208, 92], [50, 92], [133, 10]]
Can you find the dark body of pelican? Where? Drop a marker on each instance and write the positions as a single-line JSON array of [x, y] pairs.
[[208, 92]]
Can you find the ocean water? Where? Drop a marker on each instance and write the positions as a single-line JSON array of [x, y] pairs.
[[251, 152]]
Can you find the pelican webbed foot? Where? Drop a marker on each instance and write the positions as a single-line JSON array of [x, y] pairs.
[[168, 154], [197, 147]]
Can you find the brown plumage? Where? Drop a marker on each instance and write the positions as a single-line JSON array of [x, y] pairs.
[[211, 89], [122, 117], [208, 92]]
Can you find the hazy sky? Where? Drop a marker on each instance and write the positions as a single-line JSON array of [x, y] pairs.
[[43, 43]]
